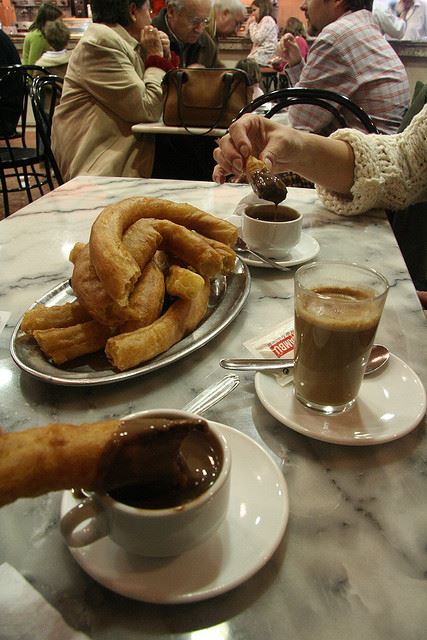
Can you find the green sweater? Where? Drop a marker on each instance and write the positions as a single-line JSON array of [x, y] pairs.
[[35, 44]]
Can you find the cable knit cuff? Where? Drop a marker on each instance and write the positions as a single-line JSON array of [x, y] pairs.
[[163, 63]]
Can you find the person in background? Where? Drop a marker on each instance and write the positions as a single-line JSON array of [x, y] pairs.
[[55, 59], [263, 31], [296, 28], [8, 52], [414, 13], [185, 22], [389, 23], [354, 172], [113, 80], [35, 43], [251, 68], [227, 16], [349, 56]]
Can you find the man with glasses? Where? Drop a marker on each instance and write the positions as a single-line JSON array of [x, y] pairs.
[[185, 23]]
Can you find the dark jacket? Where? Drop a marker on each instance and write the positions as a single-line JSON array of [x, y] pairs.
[[204, 51]]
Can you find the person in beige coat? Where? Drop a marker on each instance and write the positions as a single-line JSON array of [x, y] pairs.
[[113, 81]]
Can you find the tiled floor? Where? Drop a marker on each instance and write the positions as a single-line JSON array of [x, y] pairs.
[[19, 199]]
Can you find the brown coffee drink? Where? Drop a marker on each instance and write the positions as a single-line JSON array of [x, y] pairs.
[[333, 342], [272, 213]]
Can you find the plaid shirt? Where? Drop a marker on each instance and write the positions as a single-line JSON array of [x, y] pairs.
[[352, 57]]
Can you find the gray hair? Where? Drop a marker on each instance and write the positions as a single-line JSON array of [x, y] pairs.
[[233, 6], [179, 5]]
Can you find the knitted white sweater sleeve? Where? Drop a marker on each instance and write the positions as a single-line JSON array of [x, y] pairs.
[[390, 171]]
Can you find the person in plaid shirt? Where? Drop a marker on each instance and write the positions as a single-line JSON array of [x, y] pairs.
[[350, 56]]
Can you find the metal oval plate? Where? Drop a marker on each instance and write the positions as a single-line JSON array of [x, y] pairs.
[[227, 297]]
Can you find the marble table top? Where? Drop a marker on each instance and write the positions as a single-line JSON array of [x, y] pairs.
[[352, 563]]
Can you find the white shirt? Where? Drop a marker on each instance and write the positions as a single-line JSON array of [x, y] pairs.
[[389, 24], [416, 21]]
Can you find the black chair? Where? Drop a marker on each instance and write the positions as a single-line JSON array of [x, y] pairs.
[[27, 167], [338, 105], [335, 103], [45, 95]]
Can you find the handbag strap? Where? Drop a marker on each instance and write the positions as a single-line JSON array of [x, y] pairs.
[[227, 79]]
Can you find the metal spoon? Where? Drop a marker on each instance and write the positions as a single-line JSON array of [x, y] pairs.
[[213, 394], [377, 358], [242, 247]]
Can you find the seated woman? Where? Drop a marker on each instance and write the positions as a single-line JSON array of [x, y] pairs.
[[113, 80], [35, 43]]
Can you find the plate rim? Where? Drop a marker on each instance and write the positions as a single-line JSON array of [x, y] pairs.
[[80, 556], [83, 379], [347, 441]]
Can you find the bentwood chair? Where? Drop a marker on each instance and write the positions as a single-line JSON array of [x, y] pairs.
[[45, 95], [338, 105], [22, 168]]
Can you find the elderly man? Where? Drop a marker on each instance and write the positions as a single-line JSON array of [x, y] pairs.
[[350, 56], [226, 18], [185, 23]]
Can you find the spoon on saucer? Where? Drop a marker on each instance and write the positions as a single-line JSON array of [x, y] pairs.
[[242, 247], [377, 358]]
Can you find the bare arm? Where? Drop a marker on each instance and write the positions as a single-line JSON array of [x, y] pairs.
[[327, 162]]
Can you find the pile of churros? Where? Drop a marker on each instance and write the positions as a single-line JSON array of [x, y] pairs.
[[141, 283]]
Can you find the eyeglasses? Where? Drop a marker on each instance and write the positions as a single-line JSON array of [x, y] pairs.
[[198, 21]]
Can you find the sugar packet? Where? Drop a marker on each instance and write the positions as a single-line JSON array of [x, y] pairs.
[[278, 343]]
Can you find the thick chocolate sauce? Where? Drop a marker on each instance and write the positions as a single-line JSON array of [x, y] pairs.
[[157, 463], [268, 186]]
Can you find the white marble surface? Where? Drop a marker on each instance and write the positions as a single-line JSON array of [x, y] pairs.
[[353, 562]]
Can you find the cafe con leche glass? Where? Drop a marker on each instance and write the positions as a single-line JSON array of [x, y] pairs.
[[337, 310]]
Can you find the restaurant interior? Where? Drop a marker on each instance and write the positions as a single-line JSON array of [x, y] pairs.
[[212, 380]]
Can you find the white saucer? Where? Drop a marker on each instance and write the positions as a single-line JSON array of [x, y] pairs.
[[242, 545], [306, 249], [391, 403]]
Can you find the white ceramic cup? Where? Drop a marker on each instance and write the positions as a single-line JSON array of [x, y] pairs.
[[270, 230], [153, 532]]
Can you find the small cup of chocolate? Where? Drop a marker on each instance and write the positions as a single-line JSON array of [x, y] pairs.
[[272, 230], [164, 483]]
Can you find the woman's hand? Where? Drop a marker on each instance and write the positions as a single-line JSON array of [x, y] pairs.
[[164, 39], [265, 139], [151, 41], [325, 161], [289, 50]]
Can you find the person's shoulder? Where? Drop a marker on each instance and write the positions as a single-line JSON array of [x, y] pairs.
[[103, 36], [349, 24]]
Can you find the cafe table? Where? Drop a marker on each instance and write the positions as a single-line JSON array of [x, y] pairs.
[[351, 562], [163, 129]]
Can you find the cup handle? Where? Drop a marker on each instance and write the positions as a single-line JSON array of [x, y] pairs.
[[96, 528]]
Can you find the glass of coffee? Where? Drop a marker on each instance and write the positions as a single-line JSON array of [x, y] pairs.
[[337, 310]]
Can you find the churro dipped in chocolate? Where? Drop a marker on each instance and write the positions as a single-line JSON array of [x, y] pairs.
[[265, 184], [100, 456]]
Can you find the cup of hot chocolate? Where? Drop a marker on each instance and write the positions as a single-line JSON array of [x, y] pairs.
[[272, 230], [179, 500], [337, 310]]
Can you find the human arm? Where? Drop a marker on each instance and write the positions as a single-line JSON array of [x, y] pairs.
[[354, 172], [115, 78], [316, 158]]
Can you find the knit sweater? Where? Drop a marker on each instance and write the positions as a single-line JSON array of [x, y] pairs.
[[390, 171]]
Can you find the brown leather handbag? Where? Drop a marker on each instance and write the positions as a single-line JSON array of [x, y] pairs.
[[203, 97]]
